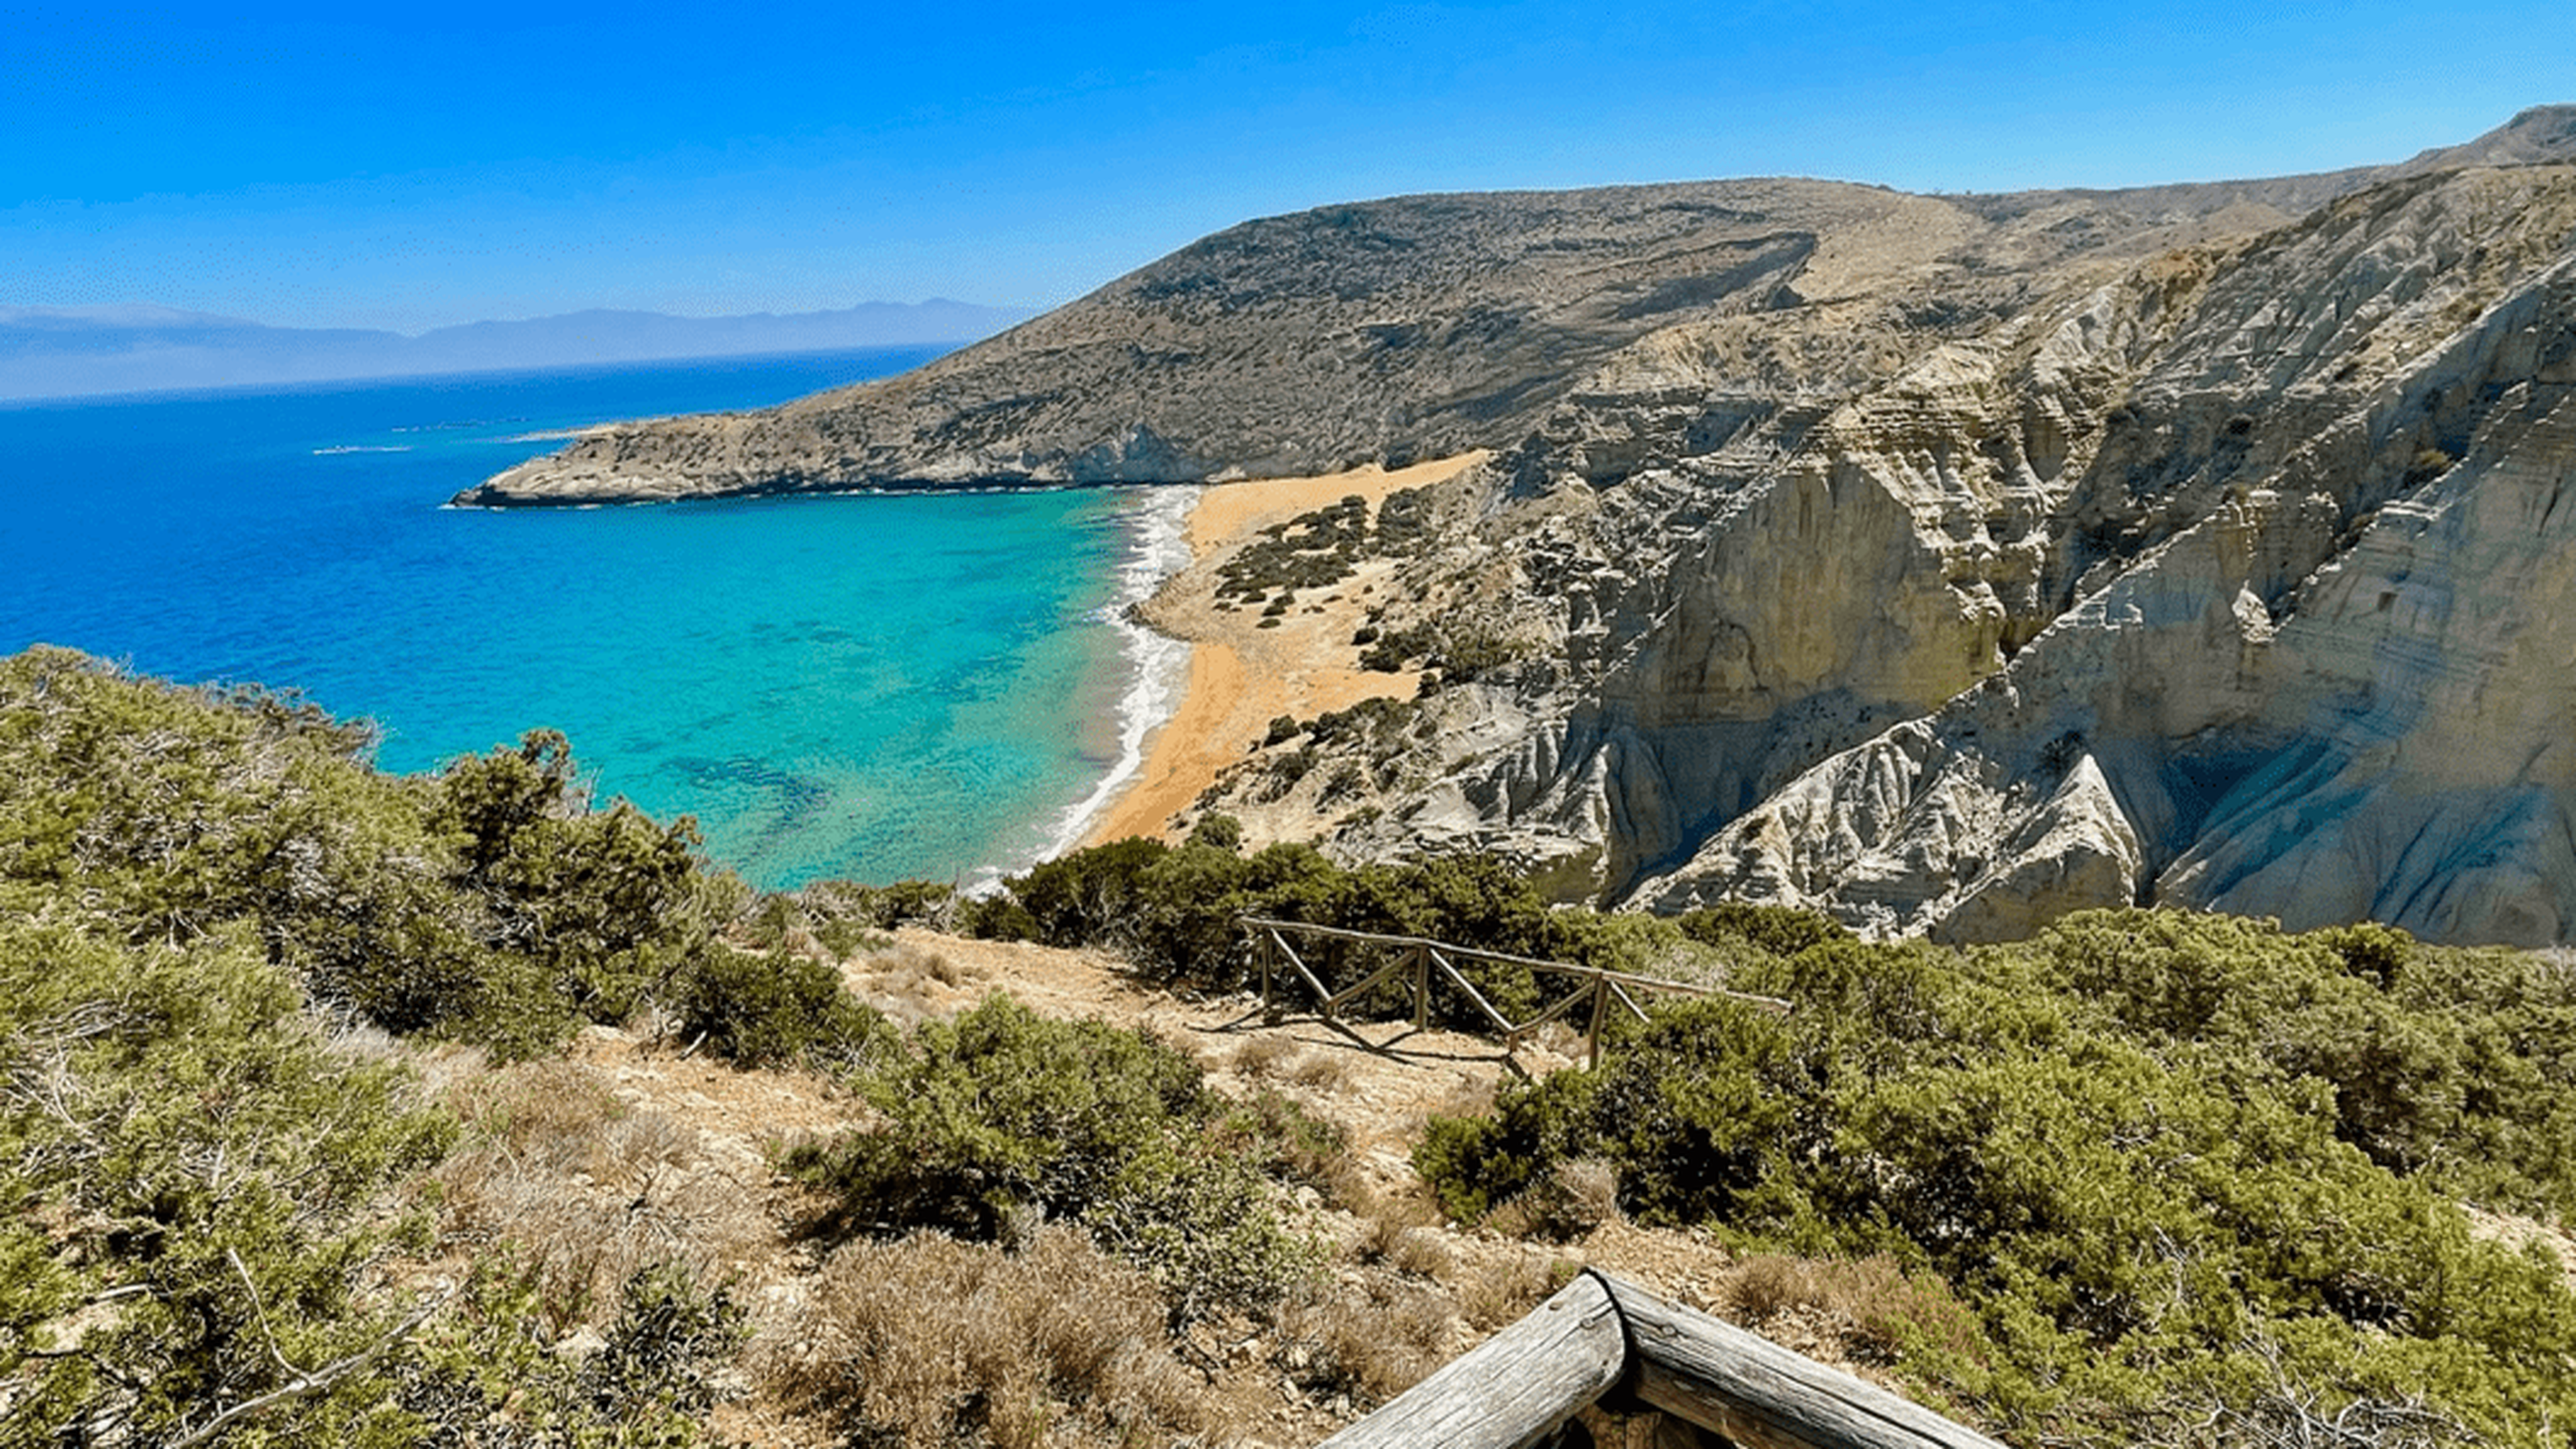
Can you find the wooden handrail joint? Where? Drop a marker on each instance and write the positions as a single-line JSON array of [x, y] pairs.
[[1516, 1388]]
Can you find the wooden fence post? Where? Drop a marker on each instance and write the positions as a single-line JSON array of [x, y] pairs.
[[1601, 989]]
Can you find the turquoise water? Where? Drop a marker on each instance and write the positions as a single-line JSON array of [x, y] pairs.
[[863, 687]]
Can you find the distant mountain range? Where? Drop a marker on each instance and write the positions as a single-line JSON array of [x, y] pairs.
[[83, 351]]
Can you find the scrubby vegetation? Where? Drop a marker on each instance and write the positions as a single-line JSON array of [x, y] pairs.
[[293, 1150], [2177, 1168], [1311, 551], [2146, 1177], [1171, 911], [1001, 1120], [221, 1220], [1450, 656], [236, 1213]]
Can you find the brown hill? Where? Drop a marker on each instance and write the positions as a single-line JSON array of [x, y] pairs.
[[1942, 561]]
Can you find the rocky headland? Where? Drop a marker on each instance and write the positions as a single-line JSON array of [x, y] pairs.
[[1942, 562]]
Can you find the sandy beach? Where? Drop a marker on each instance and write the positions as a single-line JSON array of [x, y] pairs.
[[1242, 676]]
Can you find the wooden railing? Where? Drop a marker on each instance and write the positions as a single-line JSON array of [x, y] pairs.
[[1420, 963], [1606, 1341]]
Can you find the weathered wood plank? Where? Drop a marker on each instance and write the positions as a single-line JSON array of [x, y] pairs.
[[1629, 1002], [1761, 1395], [1347, 994], [1299, 965], [1579, 996], [1501, 1022], [1515, 1388]]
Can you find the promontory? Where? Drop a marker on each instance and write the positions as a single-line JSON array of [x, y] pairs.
[[1941, 562]]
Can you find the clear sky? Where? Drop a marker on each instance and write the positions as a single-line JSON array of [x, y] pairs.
[[445, 163]]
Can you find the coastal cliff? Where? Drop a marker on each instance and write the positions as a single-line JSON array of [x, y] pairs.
[[1941, 562]]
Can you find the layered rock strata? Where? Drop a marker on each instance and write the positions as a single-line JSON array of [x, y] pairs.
[[1944, 563]]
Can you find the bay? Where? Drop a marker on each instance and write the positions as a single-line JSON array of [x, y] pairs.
[[868, 687]]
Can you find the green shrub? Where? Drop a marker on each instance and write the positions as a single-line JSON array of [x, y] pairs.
[[669, 1333], [483, 1366], [1779, 930], [199, 1186], [777, 1009], [608, 907], [1221, 832], [1001, 1119], [489, 903], [2170, 1163]]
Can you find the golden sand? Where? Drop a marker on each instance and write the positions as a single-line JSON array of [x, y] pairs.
[[1243, 676]]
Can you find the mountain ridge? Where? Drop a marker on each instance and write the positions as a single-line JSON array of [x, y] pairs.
[[2240, 496], [48, 352]]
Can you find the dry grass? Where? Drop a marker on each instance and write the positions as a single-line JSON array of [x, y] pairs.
[[1501, 1290], [910, 983], [1401, 1229], [1572, 1200], [1368, 1338], [1871, 1305], [930, 1342], [588, 1191], [1471, 1097], [1423, 1252], [1324, 1071], [1264, 1058]]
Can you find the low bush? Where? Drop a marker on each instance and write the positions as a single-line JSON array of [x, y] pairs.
[[1000, 1119], [2145, 1150], [778, 1009], [1777, 930], [479, 1373], [200, 1186], [490, 903], [1172, 911], [926, 1342]]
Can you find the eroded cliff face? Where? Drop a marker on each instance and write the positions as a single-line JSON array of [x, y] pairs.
[[2238, 581], [1944, 563]]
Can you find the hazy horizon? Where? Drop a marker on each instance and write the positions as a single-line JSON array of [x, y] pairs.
[[48, 354], [304, 166]]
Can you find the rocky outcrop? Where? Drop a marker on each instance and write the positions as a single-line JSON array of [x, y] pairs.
[[1943, 563], [2339, 691]]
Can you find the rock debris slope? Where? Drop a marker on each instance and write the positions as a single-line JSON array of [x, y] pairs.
[[1944, 562]]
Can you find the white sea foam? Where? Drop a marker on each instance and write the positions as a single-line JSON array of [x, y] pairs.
[[1157, 664]]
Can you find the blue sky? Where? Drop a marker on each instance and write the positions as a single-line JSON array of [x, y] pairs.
[[442, 164]]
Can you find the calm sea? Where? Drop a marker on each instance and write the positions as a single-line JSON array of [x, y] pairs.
[[862, 687]]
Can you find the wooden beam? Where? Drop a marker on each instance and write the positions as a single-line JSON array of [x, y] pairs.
[[1561, 968], [1628, 1001], [1515, 1388], [1761, 1395], [1334, 1002], [1592, 1031], [1603, 1339], [1501, 1022], [1299, 965], [1577, 997]]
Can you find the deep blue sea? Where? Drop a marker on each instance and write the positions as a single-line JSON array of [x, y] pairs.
[[866, 687]]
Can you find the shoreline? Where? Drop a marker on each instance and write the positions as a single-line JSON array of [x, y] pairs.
[[1156, 663], [1239, 677]]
